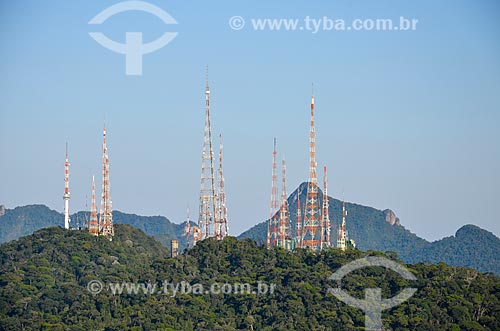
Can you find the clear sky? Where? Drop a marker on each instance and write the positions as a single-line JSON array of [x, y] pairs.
[[407, 120]]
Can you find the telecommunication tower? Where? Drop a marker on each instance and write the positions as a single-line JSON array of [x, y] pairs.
[[93, 223], [66, 195], [311, 232], [272, 226], [207, 192], [325, 225], [106, 213]]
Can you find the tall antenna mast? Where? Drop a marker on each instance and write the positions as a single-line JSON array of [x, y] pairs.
[[283, 229], [66, 195], [221, 227], [86, 222], [207, 191], [342, 232], [187, 229], [299, 221], [325, 225], [93, 223], [311, 231], [272, 229], [106, 214]]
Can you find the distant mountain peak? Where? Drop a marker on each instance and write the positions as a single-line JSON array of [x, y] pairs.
[[471, 230]]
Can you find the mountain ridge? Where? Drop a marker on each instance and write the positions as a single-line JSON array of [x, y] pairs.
[[24, 220], [372, 229]]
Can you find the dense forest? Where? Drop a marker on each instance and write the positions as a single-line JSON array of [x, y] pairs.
[[44, 278]]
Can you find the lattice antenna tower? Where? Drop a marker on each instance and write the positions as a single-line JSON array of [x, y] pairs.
[[299, 222], [273, 227], [312, 219], [342, 232], [326, 229], [93, 223], [187, 229], [284, 226], [207, 207], [106, 212], [66, 195], [222, 227]]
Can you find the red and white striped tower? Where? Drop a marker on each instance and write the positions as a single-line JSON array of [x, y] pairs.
[[66, 195], [284, 228], [207, 191], [272, 228], [221, 228], [325, 225], [298, 243], [312, 218], [106, 214], [93, 223]]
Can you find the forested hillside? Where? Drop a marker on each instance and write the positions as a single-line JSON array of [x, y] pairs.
[[44, 278]]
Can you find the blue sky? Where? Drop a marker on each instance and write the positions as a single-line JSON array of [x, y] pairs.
[[406, 120]]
